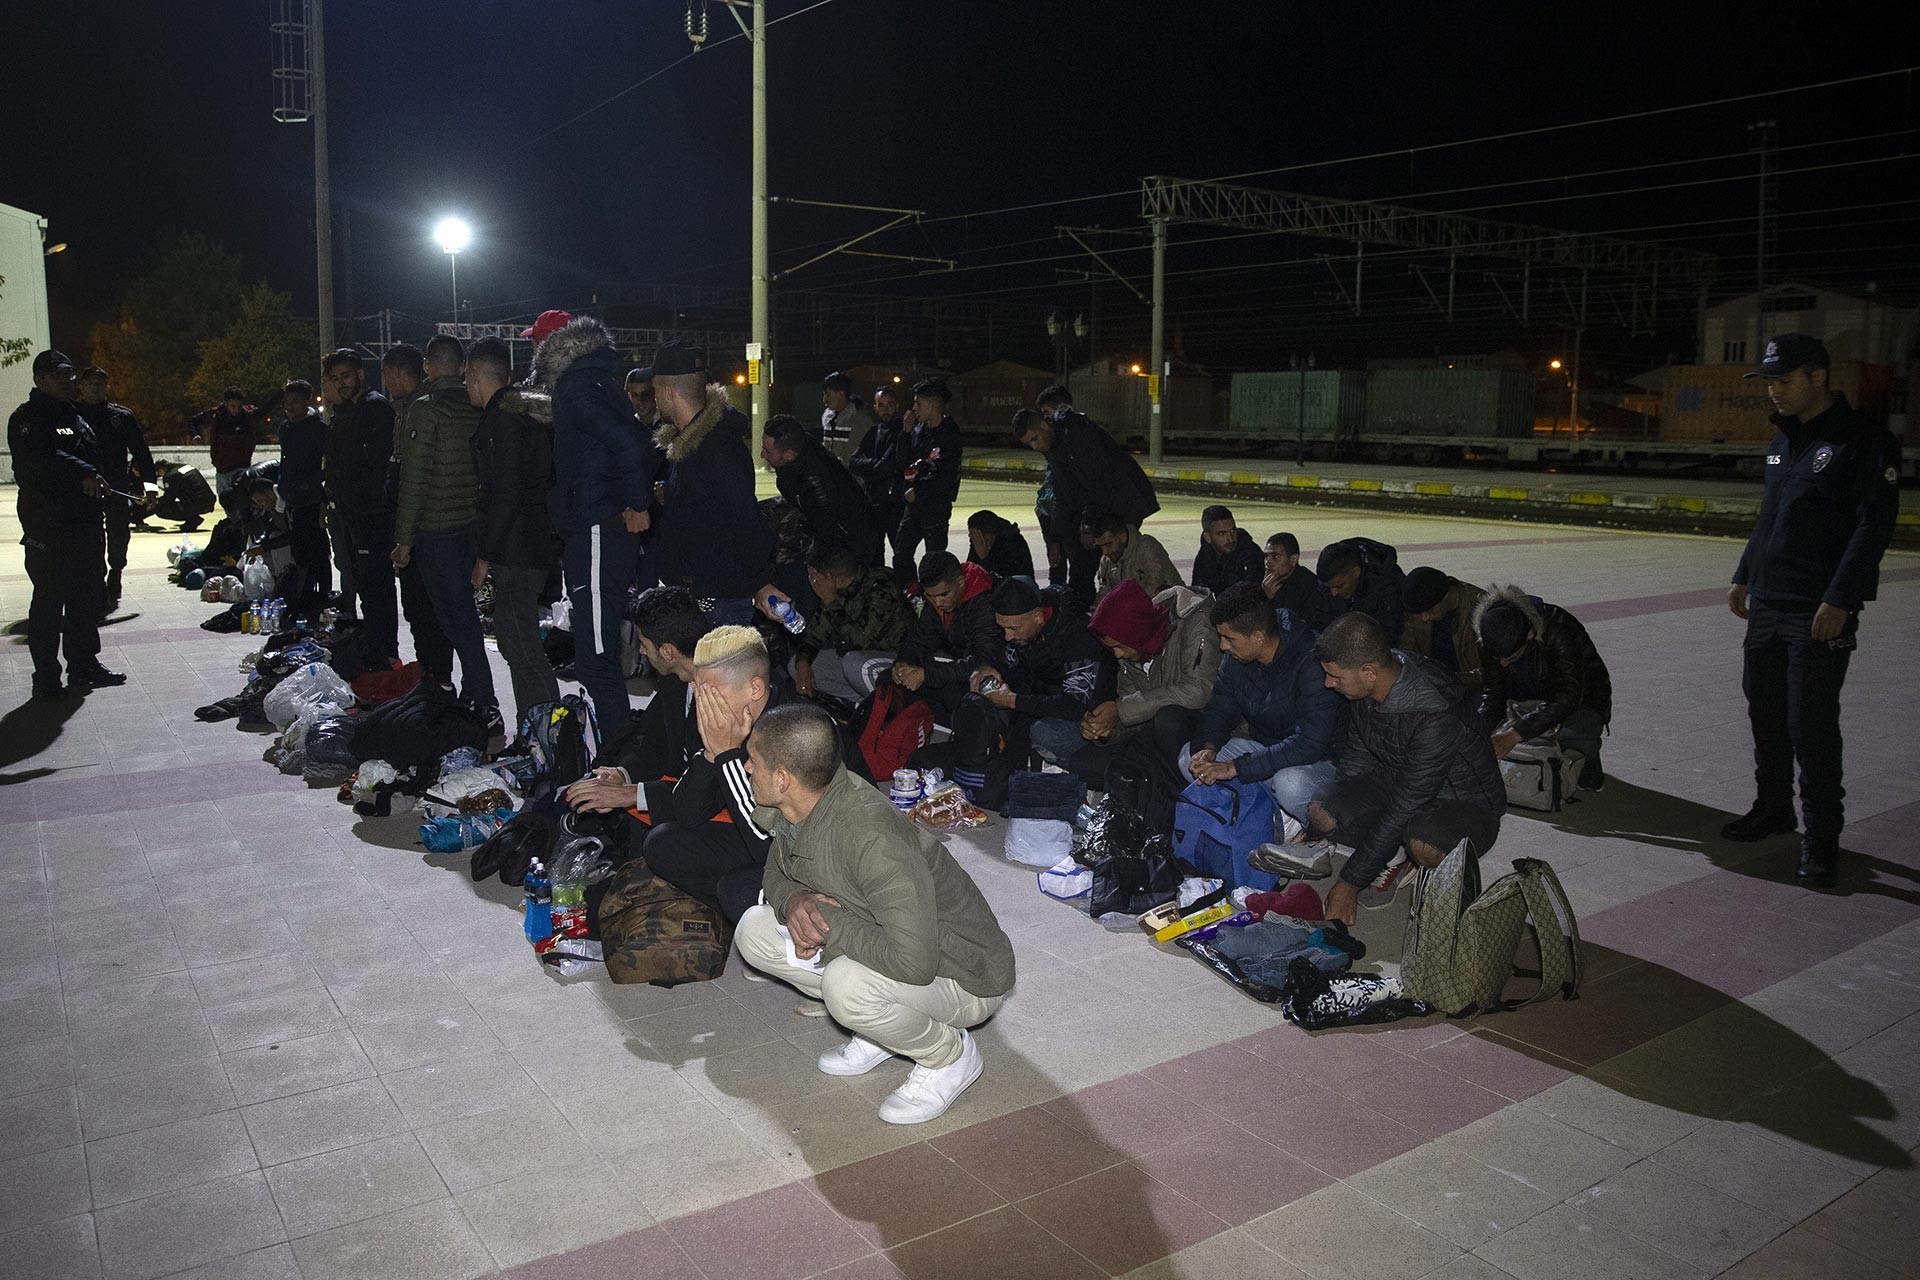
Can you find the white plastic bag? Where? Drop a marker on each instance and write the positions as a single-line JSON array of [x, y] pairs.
[[1066, 879], [180, 550], [315, 689], [257, 584], [561, 611], [230, 592], [444, 797], [1039, 842]]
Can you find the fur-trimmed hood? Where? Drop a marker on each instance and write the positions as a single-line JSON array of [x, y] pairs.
[[1514, 596], [531, 401], [679, 442], [563, 346]]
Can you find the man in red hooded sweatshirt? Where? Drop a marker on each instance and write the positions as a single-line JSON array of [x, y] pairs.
[[954, 633], [1168, 656]]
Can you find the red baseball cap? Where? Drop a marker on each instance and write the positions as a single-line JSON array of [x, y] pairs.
[[549, 323]]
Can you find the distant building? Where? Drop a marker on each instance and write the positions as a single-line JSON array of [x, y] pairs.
[[1853, 328]]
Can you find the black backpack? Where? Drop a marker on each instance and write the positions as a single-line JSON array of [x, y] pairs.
[[1147, 781], [418, 728], [562, 740]]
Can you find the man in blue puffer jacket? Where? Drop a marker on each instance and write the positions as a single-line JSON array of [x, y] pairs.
[[602, 486], [1270, 680]]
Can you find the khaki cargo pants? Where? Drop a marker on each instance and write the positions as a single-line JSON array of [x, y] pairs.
[[922, 1023]]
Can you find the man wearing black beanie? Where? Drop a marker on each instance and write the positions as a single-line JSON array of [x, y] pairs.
[[1440, 622]]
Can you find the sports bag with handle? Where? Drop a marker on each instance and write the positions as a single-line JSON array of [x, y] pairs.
[[891, 728], [1462, 943], [562, 738], [1216, 825], [651, 932]]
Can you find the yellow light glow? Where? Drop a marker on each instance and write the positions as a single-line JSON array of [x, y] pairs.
[[740, 379], [896, 377], [1553, 364], [1134, 369]]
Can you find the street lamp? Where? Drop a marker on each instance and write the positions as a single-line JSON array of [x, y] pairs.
[[453, 235], [56, 248]]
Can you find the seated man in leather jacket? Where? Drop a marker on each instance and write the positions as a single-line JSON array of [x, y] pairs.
[[1538, 655]]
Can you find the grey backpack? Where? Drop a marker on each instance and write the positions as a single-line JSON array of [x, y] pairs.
[[1463, 944]]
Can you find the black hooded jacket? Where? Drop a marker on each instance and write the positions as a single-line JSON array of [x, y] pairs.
[[1428, 745], [877, 463], [359, 443], [1092, 473], [513, 452], [54, 451], [1381, 594], [1063, 672], [831, 500], [1561, 666], [713, 539]]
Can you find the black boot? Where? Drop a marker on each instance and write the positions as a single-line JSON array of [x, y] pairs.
[[1819, 857], [48, 689], [95, 675], [1758, 823], [1592, 777]]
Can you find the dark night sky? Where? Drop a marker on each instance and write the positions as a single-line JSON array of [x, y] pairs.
[[134, 121]]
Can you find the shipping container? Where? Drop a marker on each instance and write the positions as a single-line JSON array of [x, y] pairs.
[[1449, 402], [1333, 402], [23, 297], [1704, 403], [985, 399], [1118, 402]]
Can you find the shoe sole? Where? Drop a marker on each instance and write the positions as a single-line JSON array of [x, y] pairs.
[[978, 1067]]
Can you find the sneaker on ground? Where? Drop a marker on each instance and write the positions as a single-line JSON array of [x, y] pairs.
[[1758, 823], [810, 1009], [1293, 860], [929, 1091], [752, 974], [1387, 885], [854, 1058]]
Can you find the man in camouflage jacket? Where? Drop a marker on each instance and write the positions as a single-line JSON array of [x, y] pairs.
[[851, 643]]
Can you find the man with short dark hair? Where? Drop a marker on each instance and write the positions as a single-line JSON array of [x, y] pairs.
[[1439, 623], [877, 465], [513, 538], [1128, 553], [303, 452], [636, 770], [1291, 585], [954, 634], [844, 421], [713, 539], [1416, 773], [820, 486], [1047, 674], [1362, 575], [1543, 677], [403, 371], [639, 388], [930, 472], [234, 428], [1810, 566], [1268, 681], [1228, 554], [56, 466], [602, 489], [125, 464], [1091, 473], [870, 914], [998, 545], [436, 500], [849, 644]]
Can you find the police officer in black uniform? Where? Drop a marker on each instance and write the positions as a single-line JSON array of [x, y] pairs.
[[56, 463], [1811, 564], [126, 463]]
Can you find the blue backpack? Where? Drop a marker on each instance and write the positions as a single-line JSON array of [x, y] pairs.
[[1216, 825]]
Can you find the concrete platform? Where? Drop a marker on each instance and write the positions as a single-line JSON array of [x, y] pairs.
[[245, 1034]]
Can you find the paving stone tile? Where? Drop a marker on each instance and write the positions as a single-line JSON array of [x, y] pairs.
[[784, 1232], [1565, 1244], [306, 1124], [1339, 1234], [146, 1162], [1771, 1176], [535, 1215], [1461, 1200], [1120, 1218], [478, 1151], [43, 1187], [650, 1252], [1874, 1223], [334, 1188], [1235, 1174], [188, 1228], [1803, 1254], [299, 1065], [60, 1250], [1004, 1244], [1231, 1255], [1133, 1114], [903, 1194], [432, 1241], [31, 1122], [1025, 1153]]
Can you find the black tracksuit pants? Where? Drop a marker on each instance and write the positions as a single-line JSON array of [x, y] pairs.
[[1792, 683], [67, 568]]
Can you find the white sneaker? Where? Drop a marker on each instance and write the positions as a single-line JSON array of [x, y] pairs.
[[928, 1091], [854, 1058]]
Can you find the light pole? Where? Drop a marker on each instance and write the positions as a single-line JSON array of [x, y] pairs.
[[453, 235], [1300, 408]]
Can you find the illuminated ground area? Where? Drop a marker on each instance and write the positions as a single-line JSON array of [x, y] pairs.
[[242, 1031]]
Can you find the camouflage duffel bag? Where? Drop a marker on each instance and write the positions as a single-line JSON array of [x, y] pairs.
[[652, 932]]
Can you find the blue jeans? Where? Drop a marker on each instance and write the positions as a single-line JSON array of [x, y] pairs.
[[1293, 787], [444, 559], [1057, 740], [599, 564]]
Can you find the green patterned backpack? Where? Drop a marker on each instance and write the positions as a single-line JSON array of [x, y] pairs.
[[1463, 943]]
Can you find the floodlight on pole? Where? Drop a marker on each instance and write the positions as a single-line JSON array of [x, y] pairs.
[[453, 235]]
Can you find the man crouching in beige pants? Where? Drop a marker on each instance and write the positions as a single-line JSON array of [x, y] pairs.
[[871, 914]]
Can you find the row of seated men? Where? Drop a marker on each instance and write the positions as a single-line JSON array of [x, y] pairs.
[[1391, 751]]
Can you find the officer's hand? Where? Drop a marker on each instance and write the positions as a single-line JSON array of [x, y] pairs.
[[93, 486], [1828, 622], [635, 521], [479, 575], [401, 557], [1737, 600]]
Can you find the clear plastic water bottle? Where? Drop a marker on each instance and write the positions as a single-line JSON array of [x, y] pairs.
[[786, 615]]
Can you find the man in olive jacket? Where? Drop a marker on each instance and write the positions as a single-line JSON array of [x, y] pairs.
[[437, 498], [871, 914]]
